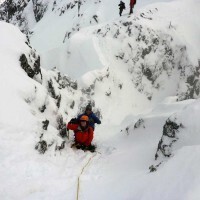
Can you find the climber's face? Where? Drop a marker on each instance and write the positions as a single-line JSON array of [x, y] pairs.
[[83, 123], [88, 112]]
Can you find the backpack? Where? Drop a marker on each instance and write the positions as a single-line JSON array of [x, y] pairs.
[[123, 6]]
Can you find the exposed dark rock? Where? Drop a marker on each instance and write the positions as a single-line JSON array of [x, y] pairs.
[[95, 17], [108, 93], [12, 12], [120, 86], [25, 66], [166, 143], [146, 42], [117, 33], [169, 137], [31, 70], [127, 23], [146, 51], [144, 16], [65, 81], [72, 104], [89, 90], [41, 146], [139, 123], [51, 89], [37, 69], [193, 85], [58, 101], [149, 98], [127, 130], [74, 85], [62, 146], [155, 41], [42, 109], [39, 8], [120, 55], [61, 126], [45, 124], [153, 168], [147, 72]]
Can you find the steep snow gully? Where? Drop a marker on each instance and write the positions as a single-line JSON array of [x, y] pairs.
[[141, 74]]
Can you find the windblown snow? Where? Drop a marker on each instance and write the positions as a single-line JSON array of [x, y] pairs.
[[141, 74]]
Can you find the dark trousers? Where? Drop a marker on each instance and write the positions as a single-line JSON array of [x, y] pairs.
[[131, 9], [120, 11]]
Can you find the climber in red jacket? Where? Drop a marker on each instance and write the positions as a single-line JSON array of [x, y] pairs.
[[83, 133], [132, 4]]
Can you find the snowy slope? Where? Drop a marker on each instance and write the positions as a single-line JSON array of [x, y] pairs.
[[35, 104], [144, 128], [58, 39], [55, 28], [151, 46]]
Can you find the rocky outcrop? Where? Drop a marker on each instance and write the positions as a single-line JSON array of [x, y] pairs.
[[14, 12], [151, 54], [166, 144], [52, 101], [169, 137], [192, 83], [31, 66], [39, 8]]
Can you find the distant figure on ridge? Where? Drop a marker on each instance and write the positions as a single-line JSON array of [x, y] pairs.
[[132, 4], [121, 7], [79, 6]]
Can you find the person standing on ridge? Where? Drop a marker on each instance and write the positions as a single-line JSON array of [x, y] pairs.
[[92, 117], [121, 7], [79, 6], [132, 4]]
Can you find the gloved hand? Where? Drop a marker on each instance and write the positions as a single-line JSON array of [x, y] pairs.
[[73, 121], [80, 146]]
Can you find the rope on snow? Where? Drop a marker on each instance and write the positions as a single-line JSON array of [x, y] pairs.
[[78, 183]]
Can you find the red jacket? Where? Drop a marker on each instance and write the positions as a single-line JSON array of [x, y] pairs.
[[132, 3], [84, 137]]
